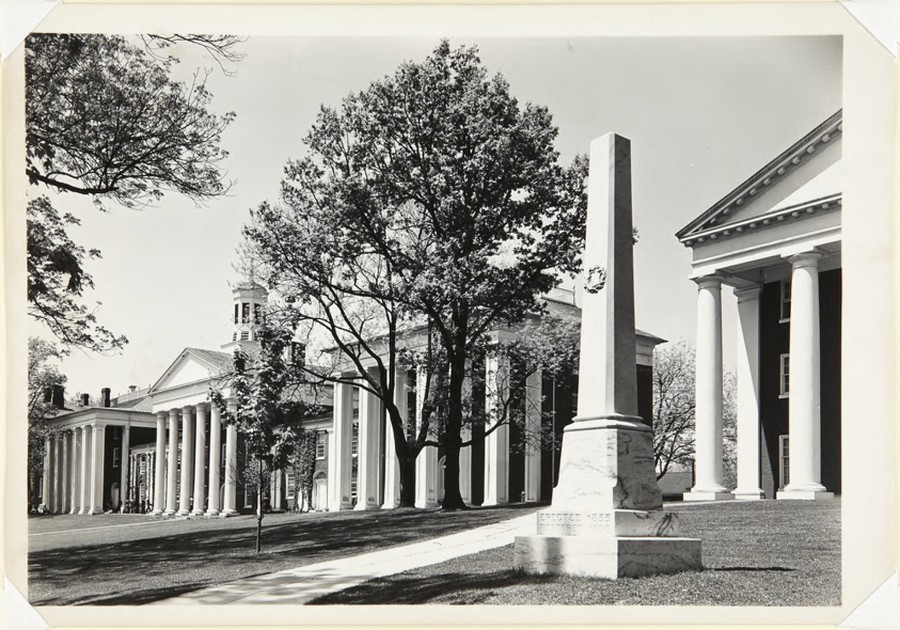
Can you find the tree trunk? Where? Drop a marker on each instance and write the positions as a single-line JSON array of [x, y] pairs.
[[452, 497], [407, 481]]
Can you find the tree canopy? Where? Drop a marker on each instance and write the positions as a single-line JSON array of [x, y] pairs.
[[105, 119], [433, 198]]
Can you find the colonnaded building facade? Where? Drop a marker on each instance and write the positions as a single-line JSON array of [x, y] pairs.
[[164, 449], [776, 241]]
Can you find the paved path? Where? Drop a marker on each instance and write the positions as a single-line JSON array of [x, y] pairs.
[[299, 586]]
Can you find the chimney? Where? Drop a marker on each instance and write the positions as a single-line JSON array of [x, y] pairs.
[[132, 388], [59, 397], [104, 397], [85, 400]]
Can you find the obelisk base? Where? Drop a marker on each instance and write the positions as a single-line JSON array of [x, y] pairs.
[[606, 519], [612, 558]]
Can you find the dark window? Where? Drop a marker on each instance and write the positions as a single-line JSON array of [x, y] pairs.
[[785, 374], [257, 313], [320, 445], [785, 313], [236, 309], [245, 312]]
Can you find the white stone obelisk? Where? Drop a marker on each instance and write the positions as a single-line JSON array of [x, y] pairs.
[[606, 518]]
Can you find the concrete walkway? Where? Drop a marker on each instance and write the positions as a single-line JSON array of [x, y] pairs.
[[301, 585]]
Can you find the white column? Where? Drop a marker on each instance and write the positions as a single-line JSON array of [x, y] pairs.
[[46, 502], [465, 466], [64, 480], [160, 464], [276, 489], [98, 452], [371, 421], [75, 466], [231, 471], [187, 458], [151, 480], [55, 490], [804, 426], [496, 443], [200, 461], [748, 394], [391, 463], [85, 474], [215, 459], [339, 461], [172, 464], [427, 460], [125, 463], [708, 403], [533, 401]]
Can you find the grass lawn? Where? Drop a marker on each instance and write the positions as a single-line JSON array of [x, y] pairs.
[[131, 559], [766, 553]]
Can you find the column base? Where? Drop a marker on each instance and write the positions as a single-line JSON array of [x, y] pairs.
[[604, 557], [183, 512], [362, 507], [803, 495], [749, 495], [491, 503], [707, 495], [212, 512], [227, 513], [198, 513], [170, 512], [156, 512]]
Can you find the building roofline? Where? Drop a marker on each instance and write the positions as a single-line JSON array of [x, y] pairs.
[[773, 171]]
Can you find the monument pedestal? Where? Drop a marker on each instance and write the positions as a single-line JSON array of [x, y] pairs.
[[606, 519]]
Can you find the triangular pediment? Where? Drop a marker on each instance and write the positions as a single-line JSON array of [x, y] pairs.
[[191, 366], [808, 171]]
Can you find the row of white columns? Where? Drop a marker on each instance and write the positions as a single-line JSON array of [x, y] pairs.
[[372, 421], [73, 470], [187, 496], [804, 399]]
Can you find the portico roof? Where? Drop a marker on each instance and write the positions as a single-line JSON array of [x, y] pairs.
[[214, 361], [803, 180]]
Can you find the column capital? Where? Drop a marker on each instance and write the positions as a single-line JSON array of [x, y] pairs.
[[173, 413], [203, 406], [713, 280], [805, 259], [749, 293]]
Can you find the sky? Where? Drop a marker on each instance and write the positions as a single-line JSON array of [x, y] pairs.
[[702, 115]]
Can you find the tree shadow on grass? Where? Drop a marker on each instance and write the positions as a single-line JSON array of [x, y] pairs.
[[447, 588], [147, 569], [787, 569]]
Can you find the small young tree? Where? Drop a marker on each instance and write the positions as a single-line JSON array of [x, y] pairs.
[[259, 384]]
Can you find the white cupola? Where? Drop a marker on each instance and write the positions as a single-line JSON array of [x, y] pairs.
[[248, 304]]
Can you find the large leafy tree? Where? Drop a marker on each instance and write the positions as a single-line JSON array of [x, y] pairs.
[[43, 376], [432, 197], [105, 119]]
